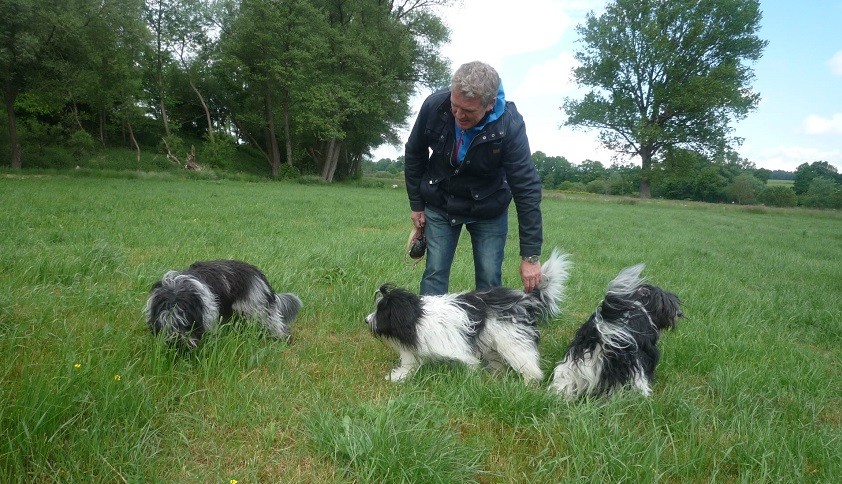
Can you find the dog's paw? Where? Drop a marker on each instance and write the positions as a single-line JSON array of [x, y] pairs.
[[398, 374]]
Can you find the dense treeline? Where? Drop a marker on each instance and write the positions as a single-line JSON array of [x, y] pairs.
[[312, 85], [684, 175], [282, 87]]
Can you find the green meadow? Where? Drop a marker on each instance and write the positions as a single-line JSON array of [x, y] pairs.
[[749, 388]]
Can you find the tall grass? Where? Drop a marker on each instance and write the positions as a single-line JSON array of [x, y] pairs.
[[748, 388]]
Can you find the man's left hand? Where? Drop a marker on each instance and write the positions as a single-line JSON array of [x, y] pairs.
[[530, 274]]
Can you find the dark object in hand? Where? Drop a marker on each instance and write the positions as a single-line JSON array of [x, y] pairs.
[[418, 246]]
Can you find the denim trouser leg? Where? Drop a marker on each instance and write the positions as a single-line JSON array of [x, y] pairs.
[[441, 246], [488, 239]]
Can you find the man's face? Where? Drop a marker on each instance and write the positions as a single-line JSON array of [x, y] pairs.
[[467, 111]]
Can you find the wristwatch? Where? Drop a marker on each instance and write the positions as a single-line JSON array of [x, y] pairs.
[[532, 259]]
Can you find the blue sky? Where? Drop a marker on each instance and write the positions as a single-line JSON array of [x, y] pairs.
[[799, 77]]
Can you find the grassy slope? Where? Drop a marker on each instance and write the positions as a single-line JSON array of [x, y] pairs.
[[748, 389]]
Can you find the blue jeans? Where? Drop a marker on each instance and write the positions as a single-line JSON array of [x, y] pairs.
[[488, 239]]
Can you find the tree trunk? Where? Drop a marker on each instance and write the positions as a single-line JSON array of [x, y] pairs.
[[75, 110], [335, 161], [204, 106], [11, 94], [134, 140], [164, 115], [287, 135], [271, 139], [355, 166], [334, 149], [160, 67], [645, 172], [102, 127], [328, 156]]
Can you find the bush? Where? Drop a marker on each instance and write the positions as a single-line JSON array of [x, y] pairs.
[[218, 153], [52, 157], [618, 184], [176, 146], [777, 196], [823, 193], [82, 144], [571, 186], [597, 186], [744, 189], [288, 172]]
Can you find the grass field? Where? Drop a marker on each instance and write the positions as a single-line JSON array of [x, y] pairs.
[[749, 388]]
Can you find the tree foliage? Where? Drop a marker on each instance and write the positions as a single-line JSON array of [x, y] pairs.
[[807, 172], [666, 73], [312, 83]]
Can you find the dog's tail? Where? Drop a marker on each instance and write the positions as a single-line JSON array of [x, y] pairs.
[[550, 291], [281, 313], [288, 304], [620, 298], [620, 295]]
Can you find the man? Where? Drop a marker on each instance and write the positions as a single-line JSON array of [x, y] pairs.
[[466, 159]]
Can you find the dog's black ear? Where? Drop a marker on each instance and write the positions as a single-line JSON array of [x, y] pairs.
[[643, 293], [398, 312]]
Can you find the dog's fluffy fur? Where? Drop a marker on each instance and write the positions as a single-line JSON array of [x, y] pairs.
[[495, 326], [184, 305], [618, 345]]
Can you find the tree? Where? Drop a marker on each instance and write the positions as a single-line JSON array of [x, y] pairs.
[[380, 52], [275, 51], [778, 196], [806, 173], [56, 50], [823, 192], [744, 189], [666, 73], [552, 169]]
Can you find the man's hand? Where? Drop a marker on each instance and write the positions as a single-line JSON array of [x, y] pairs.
[[530, 274], [419, 220]]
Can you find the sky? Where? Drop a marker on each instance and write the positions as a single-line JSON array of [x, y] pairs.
[[531, 43]]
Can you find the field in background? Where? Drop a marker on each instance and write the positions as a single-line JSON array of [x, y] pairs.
[[749, 387]]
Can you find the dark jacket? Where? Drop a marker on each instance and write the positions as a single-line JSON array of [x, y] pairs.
[[496, 168]]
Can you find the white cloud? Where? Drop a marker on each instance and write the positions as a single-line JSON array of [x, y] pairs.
[[835, 63], [818, 125], [553, 78], [790, 157], [524, 41], [491, 30]]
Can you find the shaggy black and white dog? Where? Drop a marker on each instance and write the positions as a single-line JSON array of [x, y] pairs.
[[495, 326], [618, 345], [184, 305]]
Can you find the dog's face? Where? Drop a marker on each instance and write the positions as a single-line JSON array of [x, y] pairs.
[[176, 315], [371, 319], [396, 314], [663, 306]]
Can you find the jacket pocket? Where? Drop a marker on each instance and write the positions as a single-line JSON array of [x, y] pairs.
[[490, 201]]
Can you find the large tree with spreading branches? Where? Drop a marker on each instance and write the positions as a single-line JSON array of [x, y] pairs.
[[664, 73]]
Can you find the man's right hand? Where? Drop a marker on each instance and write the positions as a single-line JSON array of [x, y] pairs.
[[419, 220]]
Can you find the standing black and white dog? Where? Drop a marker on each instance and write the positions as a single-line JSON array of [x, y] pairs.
[[185, 304], [497, 326], [618, 345]]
